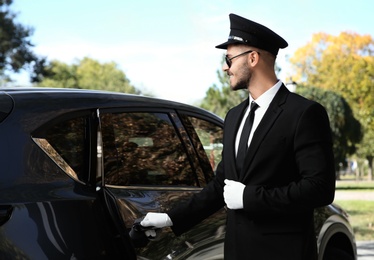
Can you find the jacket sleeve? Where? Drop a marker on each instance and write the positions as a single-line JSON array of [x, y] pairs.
[[200, 206]]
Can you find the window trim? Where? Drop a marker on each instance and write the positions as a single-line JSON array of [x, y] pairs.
[[155, 187]]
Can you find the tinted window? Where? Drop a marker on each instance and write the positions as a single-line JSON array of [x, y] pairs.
[[67, 143], [210, 136], [143, 149]]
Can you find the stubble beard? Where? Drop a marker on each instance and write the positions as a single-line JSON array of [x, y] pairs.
[[244, 79]]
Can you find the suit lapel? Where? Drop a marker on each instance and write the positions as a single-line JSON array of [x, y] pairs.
[[270, 116]]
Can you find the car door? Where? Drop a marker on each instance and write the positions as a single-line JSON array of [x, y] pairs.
[[62, 217], [150, 164]]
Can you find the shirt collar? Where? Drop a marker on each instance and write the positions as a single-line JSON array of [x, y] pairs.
[[265, 99]]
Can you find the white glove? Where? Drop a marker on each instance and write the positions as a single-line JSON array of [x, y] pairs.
[[233, 194], [157, 220]]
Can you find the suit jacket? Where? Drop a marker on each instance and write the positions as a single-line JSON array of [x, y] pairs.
[[288, 171]]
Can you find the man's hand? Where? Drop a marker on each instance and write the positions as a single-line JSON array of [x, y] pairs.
[[156, 220], [233, 194]]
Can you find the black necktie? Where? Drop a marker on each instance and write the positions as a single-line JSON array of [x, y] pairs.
[[243, 142]]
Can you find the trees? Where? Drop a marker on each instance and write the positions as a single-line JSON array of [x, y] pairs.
[[343, 64], [86, 74], [15, 45]]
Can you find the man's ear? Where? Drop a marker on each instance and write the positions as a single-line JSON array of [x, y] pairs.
[[253, 58]]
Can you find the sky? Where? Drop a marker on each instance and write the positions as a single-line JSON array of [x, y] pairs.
[[167, 47]]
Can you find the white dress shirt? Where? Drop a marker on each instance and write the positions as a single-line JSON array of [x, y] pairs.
[[263, 103]]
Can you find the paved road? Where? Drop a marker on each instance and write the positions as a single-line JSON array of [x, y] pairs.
[[365, 250]]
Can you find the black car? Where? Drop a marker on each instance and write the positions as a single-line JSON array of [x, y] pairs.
[[79, 167]]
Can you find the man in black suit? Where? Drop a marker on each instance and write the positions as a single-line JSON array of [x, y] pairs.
[[272, 178]]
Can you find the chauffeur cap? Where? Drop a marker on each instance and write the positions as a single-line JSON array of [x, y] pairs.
[[247, 32]]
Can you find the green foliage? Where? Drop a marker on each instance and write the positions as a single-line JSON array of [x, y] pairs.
[[86, 74], [59, 75], [219, 99], [346, 129], [15, 45]]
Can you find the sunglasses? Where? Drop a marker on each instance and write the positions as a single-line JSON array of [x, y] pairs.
[[229, 60]]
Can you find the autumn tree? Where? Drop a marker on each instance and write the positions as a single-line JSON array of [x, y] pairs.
[[15, 44], [343, 64], [85, 74]]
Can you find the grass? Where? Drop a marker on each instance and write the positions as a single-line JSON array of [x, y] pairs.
[[361, 217], [353, 185], [361, 212]]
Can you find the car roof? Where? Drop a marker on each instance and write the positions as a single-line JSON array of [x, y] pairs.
[[40, 99]]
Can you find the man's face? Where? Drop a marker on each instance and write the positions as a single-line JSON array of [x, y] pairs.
[[239, 72]]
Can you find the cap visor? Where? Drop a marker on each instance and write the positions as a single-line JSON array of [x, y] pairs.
[[223, 45]]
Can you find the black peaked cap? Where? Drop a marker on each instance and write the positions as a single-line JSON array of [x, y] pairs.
[[247, 32]]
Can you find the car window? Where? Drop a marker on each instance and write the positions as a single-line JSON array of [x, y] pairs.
[[210, 136], [144, 149], [66, 143]]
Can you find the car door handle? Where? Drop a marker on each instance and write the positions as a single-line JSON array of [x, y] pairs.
[[5, 213]]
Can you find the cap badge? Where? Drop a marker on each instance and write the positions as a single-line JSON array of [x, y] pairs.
[[236, 38]]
